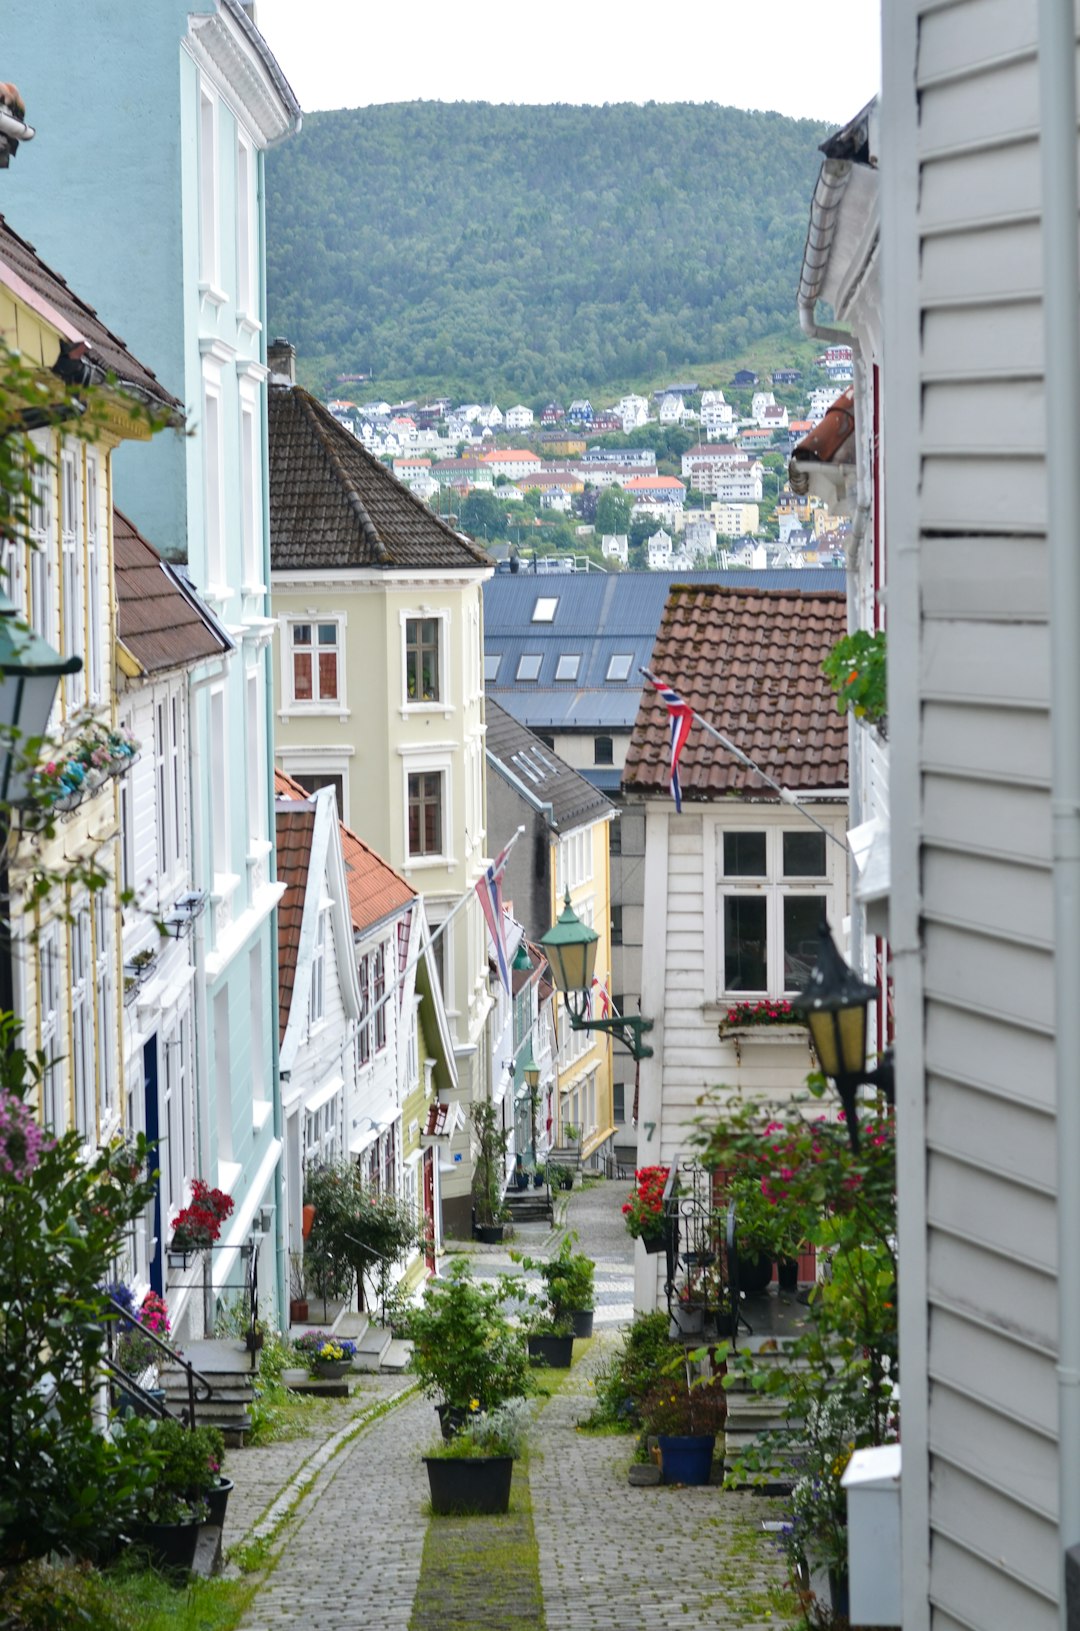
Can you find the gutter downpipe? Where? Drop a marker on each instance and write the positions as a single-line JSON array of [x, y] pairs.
[[1061, 282]]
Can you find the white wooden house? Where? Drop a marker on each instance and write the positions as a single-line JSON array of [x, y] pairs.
[[735, 884]]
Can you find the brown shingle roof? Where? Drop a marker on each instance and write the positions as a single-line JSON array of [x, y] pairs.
[[333, 505], [749, 660], [376, 891], [572, 799], [103, 349], [159, 621], [294, 829]]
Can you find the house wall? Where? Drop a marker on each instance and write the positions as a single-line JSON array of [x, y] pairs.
[[971, 907], [584, 1058]]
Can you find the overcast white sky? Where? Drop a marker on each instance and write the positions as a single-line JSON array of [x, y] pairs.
[[768, 54]]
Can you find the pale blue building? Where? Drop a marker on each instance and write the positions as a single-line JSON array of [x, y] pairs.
[[146, 181]]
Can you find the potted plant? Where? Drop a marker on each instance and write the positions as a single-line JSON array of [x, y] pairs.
[[298, 1303], [559, 1176], [538, 1175], [568, 1283], [466, 1353], [472, 1471], [687, 1414], [326, 1355], [185, 1478], [551, 1339], [357, 1233], [489, 1212], [197, 1225], [644, 1211]]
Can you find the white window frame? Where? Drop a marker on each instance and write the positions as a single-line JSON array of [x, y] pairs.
[[95, 599], [573, 861], [568, 660], [72, 545], [43, 599], [220, 828], [104, 948], [246, 234], [80, 983], [317, 988], [529, 657], [50, 1034], [253, 570], [441, 704], [774, 887], [544, 609], [329, 706], [209, 224], [214, 482]]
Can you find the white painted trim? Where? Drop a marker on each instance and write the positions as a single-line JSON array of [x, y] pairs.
[[223, 1262], [241, 929]]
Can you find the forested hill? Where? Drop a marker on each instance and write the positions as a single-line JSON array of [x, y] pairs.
[[535, 251]]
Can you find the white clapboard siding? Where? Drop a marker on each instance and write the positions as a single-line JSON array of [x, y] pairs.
[[1015, 1381], [967, 1489]]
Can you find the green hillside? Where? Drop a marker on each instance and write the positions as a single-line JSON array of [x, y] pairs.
[[489, 251]]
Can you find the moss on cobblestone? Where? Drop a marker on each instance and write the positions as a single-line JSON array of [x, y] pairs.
[[482, 1571]]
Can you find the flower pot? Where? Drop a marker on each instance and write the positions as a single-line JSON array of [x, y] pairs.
[[253, 1340], [298, 1311], [689, 1319], [555, 1352], [463, 1484], [583, 1322], [755, 1272], [567, 1183], [489, 1234], [168, 1546], [787, 1273], [687, 1459], [332, 1370], [538, 1180], [452, 1418], [654, 1243], [218, 1499]]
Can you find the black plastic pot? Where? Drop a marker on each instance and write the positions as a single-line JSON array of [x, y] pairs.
[[555, 1352], [755, 1272], [583, 1322], [787, 1273], [463, 1484], [218, 1499], [452, 1418], [168, 1546], [489, 1234]]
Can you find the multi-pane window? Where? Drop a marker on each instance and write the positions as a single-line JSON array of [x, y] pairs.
[[178, 1154], [41, 610], [214, 465], [52, 1044], [168, 772], [317, 993], [603, 750], [94, 667], [363, 1035], [774, 888], [422, 659], [315, 652], [104, 987], [82, 1021], [371, 971], [573, 860], [71, 556], [426, 813], [378, 992], [322, 1133], [208, 201]]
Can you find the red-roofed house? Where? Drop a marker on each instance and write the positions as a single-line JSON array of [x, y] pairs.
[[736, 884], [512, 462]]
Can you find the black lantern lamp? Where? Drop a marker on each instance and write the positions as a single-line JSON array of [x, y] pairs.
[[570, 948], [833, 1004]]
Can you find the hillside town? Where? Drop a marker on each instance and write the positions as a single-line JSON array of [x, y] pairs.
[[501, 1076]]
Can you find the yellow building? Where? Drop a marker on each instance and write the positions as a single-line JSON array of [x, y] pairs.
[[65, 975], [379, 687]]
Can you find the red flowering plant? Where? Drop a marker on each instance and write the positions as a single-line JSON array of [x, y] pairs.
[[769, 1011], [644, 1211], [198, 1224]]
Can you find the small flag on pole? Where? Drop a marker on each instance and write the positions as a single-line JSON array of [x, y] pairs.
[[599, 993], [680, 717], [489, 894]]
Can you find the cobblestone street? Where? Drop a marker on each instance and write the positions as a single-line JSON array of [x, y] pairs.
[[345, 1507]]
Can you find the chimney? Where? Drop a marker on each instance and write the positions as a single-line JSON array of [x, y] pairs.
[[281, 360]]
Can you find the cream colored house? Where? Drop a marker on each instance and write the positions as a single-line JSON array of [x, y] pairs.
[[379, 687]]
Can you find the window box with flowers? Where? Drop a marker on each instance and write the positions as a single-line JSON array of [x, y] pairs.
[[86, 764], [771, 1020], [644, 1211], [197, 1225]]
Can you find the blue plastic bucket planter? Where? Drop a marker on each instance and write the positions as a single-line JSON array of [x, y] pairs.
[[687, 1460]]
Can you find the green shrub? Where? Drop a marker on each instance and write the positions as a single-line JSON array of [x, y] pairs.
[[464, 1346], [644, 1357]]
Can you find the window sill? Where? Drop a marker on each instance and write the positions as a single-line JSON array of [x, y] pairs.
[[210, 292], [423, 863], [783, 1036], [438, 708], [247, 323]]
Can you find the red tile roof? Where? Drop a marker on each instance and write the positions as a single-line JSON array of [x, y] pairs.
[[159, 620], [749, 660], [376, 891], [294, 829]]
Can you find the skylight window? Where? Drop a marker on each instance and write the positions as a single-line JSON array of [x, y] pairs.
[[567, 666], [544, 609], [619, 666], [492, 659], [528, 667]]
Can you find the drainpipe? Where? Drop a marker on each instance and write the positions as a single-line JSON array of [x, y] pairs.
[[824, 209], [1061, 280]]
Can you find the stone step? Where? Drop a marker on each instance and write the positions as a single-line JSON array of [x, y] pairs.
[[397, 1356], [372, 1347]]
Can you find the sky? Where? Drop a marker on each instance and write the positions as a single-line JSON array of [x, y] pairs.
[[350, 53]]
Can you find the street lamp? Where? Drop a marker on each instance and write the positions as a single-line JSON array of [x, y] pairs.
[[833, 1003], [570, 948]]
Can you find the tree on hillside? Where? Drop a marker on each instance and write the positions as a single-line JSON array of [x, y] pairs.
[[482, 516], [613, 511]]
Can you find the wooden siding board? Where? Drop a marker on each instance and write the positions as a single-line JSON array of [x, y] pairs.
[[1013, 822], [975, 970], [1000, 1057], [1011, 745], [985, 1208], [972, 109], [1021, 1540], [1011, 1139], [989, 896], [956, 35], [974, 186], [1013, 1380], [964, 1584], [999, 1452], [996, 663], [993, 1287], [964, 341], [970, 412], [987, 493], [981, 263]]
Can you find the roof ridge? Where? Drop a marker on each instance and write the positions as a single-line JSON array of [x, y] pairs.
[[352, 497]]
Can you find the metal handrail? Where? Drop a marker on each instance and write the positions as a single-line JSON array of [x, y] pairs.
[[116, 1370]]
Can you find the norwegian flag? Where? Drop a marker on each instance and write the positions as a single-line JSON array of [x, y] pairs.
[[680, 717], [489, 894], [598, 993]]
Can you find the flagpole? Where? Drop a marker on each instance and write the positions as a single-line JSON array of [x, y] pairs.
[[743, 759], [434, 934]]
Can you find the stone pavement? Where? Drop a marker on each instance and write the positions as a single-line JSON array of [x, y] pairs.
[[349, 1521]]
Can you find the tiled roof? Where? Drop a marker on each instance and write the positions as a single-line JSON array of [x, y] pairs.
[[294, 829], [91, 341], [333, 505], [376, 891], [750, 662], [159, 620], [550, 779]]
